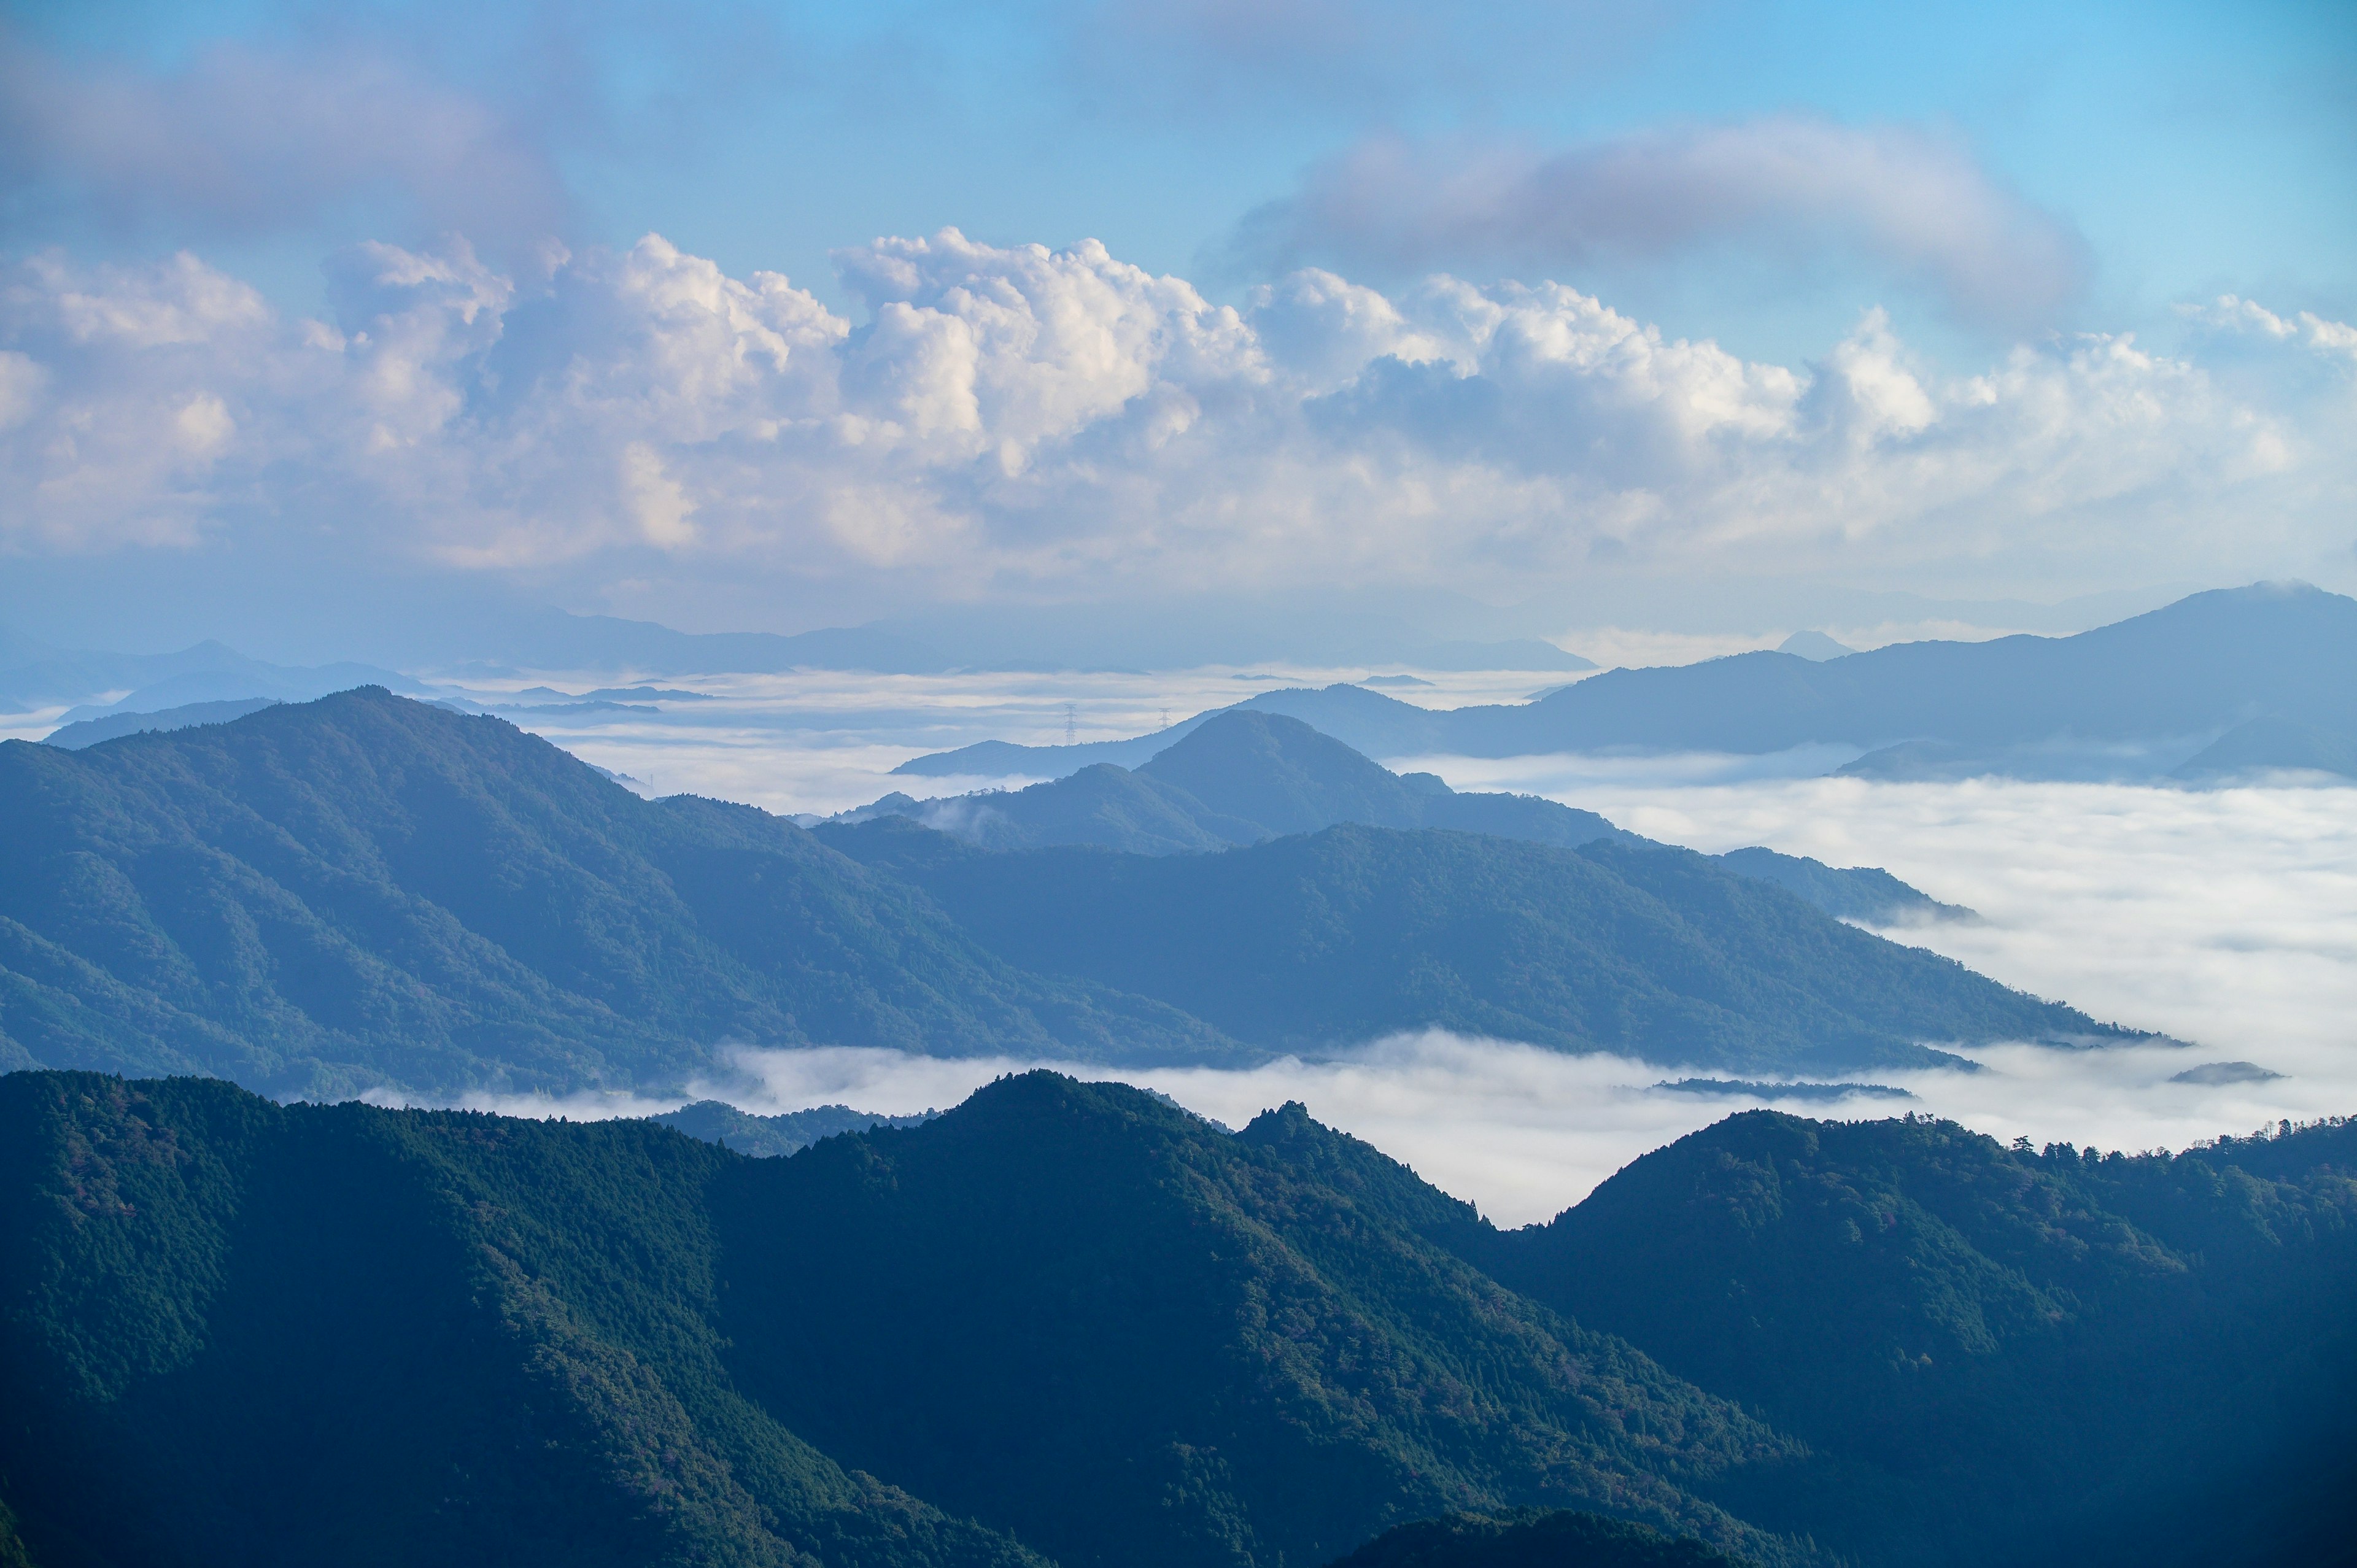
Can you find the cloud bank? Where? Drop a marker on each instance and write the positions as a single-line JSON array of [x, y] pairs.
[[2225, 918], [1016, 420]]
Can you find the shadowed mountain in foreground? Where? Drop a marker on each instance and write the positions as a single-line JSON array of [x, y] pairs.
[[1070, 1323], [2133, 699], [1531, 1538], [1063, 1321], [1244, 776], [2126, 1357], [1353, 933]]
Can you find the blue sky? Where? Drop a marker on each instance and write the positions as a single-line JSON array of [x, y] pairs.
[[1947, 186], [2198, 149]]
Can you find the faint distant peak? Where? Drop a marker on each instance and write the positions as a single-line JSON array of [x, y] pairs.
[[1814, 645]]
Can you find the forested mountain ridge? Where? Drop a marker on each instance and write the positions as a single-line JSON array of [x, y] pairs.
[[241, 1333], [366, 892], [1355, 932], [1531, 1539], [1991, 1340], [1091, 1307], [325, 896], [1070, 1314], [1069, 1322]]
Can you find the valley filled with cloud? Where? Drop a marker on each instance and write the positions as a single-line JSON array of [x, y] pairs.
[[1178, 783], [2224, 919]]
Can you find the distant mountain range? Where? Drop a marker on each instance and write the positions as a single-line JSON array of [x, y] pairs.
[[1070, 1325], [2136, 699], [1235, 778], [365, 891], [1035, 639], [1244, 776], [114, 724], [34, 675], [2270, 744], [769, 1137], [2217, 686]]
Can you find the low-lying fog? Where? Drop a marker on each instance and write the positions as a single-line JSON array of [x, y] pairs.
[[2227, 918]]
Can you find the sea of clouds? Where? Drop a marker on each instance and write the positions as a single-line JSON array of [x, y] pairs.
[[2225, 920]]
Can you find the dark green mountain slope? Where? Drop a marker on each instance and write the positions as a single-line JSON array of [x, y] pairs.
[[238, 1333], [1074, 1317], [2002, 1347], [1533, 1539], [1065, 1307], [234, 1332], [360, 890], [1357, 932]]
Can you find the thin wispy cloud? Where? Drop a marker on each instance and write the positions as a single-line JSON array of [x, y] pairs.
[[1263, 60], [1785, 190], [248, 140]]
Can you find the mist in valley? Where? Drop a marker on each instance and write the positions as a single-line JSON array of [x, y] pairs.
[[2224, 918]]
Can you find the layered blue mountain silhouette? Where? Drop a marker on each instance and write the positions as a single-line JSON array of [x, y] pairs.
[[2274, 745], [34, 675], [362, 891], [2136, 699], [1244, 776], [109, 726]]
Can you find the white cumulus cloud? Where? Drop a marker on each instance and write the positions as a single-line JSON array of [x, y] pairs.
[[1021, 420]]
